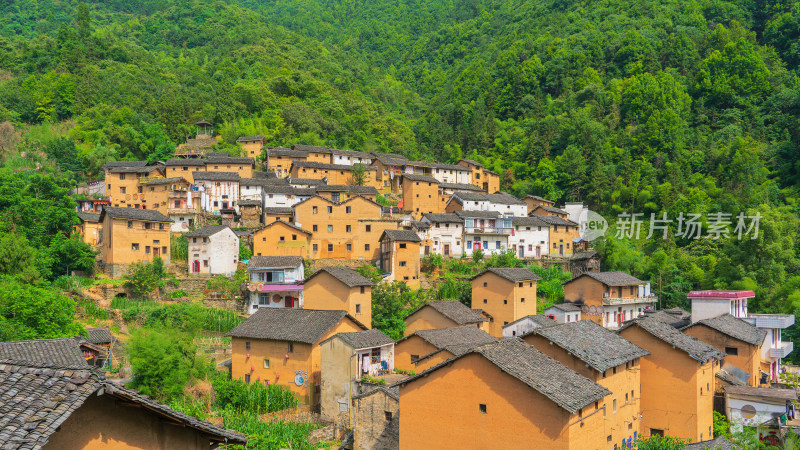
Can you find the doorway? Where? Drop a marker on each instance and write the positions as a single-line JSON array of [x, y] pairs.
[[521, 251], [446, 249]]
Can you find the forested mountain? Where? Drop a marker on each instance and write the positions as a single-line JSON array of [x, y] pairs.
[[645, 106]]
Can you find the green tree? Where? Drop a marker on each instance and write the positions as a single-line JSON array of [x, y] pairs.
[[391, 303], [358, 174], [163, 361], [32, 312], [146, 279], [70, 253], [660, 443]]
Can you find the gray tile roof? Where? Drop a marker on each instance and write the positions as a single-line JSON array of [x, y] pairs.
[[401, 235], [224, 158], [459, 187], [472, 161], [718, 443], [89, 216], [443, 218], [583, 255], [477, 214], [288, 189], [289, 324], [539, 319], [419, 177], [270, 175], [500, 198], [262, 181], [312, 148], [362, 155], [441, 338], [364, 339], [551, 209], [135, 169], [693, 347], [163, 181], [349, 277], [554, 220], [511, 274], [455, 311], [325, 166], [216, 176], [274, 261], [280, 151], [285, 223], [611, 278], [252, 203], [207, 231], [598, 347], [673, 319], [735, 328], [541, 199], [278, 210], [566, 307], [532, 221], [134, 214], [347, 188], [185, 162], [769, 392], [565, 387], [305, 181], [101, 335], [434, 165], [250, 138], [63, 353], [110, 164], [392, 391]]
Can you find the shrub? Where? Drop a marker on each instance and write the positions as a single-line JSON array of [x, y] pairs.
[[251, 397]]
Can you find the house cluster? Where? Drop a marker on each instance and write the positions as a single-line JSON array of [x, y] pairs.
[[314, 203], [599, 370]]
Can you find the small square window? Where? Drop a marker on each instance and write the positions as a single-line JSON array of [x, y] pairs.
[[387, 415], [247, 378], [247, 345], [290, 347], [135, 247], [522, 300], [349, 247], [347, 228], [358, 309], [330, 228], [363, 289], [266, 363], [314, 228], [330, 209], [402, 245], [366, 247], [482, 408], [294, 237], [330, 247], [347, 210], [369, 228], [485, 284]]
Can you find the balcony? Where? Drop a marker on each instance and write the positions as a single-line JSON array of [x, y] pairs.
[[608, 301], [780, 321], [487, 230], [782, 351]]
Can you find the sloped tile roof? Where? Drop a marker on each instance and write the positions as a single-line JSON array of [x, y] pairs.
[[445, 337], [443, 218], [554, 220], [459, 187], [565, 387], [566, 307], [453, 310], [89, 216], [277, 210], [735, 328], [325, 166], [163, 181], [101, 335], [539, 319], [598, 347], [270, 175], [252, 203], [364, 339], [770, 392], [349, 277], [418, 177], [274, 261], [511, 274], [532, 221], [583, 255], [347, 188], [110, 164], [135, 169], [611, 278], [500, 198], [477, 214], [551, 209], [693, 347], [185, 162], [249, 138], [280, 151], [285, 223], [305, 181], [207, 231], [134, 214], [289, 324], [216, 176], [401, 235], [63, 353], [674, 320], [312, 148]]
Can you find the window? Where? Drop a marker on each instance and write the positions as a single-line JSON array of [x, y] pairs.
[[366, 247], [330, 247], [281, 239], [247, 378], [314, 228], [387, 415], [347, 228], [614, 370], [330, 209], [205, 263], [266, 363], [161, 226], [290, 347], [363, 289], [358, 308], [347, 210], [349, 247], [135, 247], [294, 237], [330, 228], [485, 301], [505, 301], [733, 351], [315, 247], [414, 358], [122, 190], [485, 284], [656, 432], [482, 408], [615, 405], [247, 345], [608, 438], [146, 249], [522, 300], [130, 224], [520, 285], [626, 397], [314, 209], [402, 245], [369, 228], [402, 264]]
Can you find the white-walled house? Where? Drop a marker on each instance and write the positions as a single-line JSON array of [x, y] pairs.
[[219, 190], [213, 250], [445, 233], [564, 312], [485, 231], [349, 157], [504, 204], [530, 238], [748, 406], [525, 325], [285, 196], [275, 282], [444, 173]]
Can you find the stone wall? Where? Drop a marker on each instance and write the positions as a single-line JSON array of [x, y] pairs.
[[371, 428]]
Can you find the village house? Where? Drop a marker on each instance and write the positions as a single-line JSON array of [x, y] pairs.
[[609, 298], [760, 408], [674, 317], [527, 324], [482, 177], [342, 192], [420, 195], [275, 282], [340, 288], [219, 190], [563, 234], [281, 346], [93, 204], [279, 159], [252, 145], [446, 190], [369, 232], [213, 250], [677, 396], [442, 314], [709, 304], [334, 173], [494, 395], [426, 348], [544, 210], [505, 295], [531, 237], [390, 168], [272, 214], [445, 232], [534, 201], [175, 198], [122, 181], [376, 417], [445, 173], [132, 235], [740, 341], [605, 358], [285, 196], [102, 337], [485, 231], [564, 312], [350, 157], [316, 153], [89, 229], [581, 262], [506, 205], [307, 183], [281, 238], [222, 162], [345, 358], [252, 215], [400, 256], [184, 168], [52, 399]]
